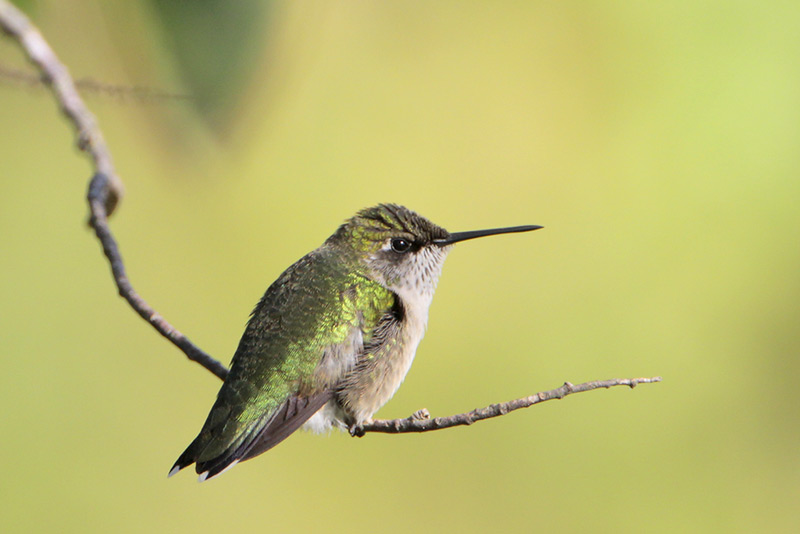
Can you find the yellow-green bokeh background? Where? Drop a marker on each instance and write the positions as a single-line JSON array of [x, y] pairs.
[[657, 142]]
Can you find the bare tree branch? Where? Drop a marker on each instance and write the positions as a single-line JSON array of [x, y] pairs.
[[421, 421], [97, 189], [106, 190]]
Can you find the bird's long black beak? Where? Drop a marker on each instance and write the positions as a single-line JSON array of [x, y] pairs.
[[463, 236]]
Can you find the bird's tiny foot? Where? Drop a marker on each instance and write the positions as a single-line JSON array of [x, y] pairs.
[[421, 415], [357, 430]]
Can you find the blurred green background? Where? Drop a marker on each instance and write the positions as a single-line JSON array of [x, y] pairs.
[[658, 143]]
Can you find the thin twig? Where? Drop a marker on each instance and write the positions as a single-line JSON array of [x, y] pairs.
[[98, 221], [421, 421], [88, 85], [106, 189]]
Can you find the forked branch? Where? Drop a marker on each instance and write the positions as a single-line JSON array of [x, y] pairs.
[[105, 192], [105, 187]]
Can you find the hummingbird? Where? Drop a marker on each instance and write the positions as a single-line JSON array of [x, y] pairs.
[[332, 338]]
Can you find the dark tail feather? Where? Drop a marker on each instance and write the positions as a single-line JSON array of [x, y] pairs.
[[289, 417], [186, 459], [213, 466]]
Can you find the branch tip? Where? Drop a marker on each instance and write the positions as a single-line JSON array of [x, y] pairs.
[[410, 424]]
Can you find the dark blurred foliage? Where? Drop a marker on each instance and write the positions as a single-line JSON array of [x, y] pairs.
[[214, 43]]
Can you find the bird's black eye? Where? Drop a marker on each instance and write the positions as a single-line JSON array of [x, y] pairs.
[[401, 245]]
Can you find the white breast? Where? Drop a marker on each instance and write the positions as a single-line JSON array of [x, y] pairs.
[[372, 389]]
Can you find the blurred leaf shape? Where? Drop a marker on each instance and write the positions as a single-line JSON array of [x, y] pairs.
[[214, 44]]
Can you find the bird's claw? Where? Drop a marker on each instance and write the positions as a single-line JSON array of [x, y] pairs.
[[356, 430]]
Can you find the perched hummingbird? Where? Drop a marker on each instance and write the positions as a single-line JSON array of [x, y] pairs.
[[331, 339]]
